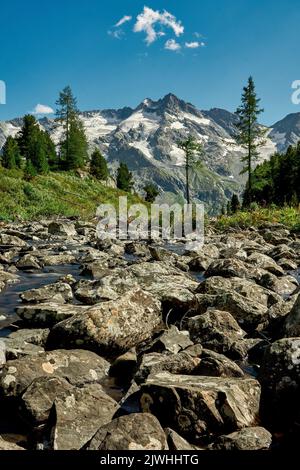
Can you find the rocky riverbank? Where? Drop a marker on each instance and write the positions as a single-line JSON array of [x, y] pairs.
[[133, 345]]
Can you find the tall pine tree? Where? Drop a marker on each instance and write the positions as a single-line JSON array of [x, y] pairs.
[[191, 149], [11, 157], [250, 135], [73, 147], [35, 146]]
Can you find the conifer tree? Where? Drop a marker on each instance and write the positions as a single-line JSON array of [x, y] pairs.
[[124, 178], [250, 135], [234, 204], [98, 166], [11, 157], [151, 192], [73, 147], [191, 149]]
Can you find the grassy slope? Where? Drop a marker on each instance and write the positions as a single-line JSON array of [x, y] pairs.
[[288, 216], [53, 194]]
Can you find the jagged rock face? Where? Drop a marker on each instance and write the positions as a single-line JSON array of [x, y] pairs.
[[146, 139], [286, 132]]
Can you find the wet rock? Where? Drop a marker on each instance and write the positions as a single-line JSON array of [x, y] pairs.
[[282, 251], [215, 330], [78, 414], [253, 438], [34, 336], [48, 314], [280, 380], [240, 349], [248, 313], [28, 262], [137, 431], [111, 328], [59, 292], [152, 363], [291, 327], [198, 407], [7, 278], [62, 228], [217, 365], [77, 366], [11, 240], [55, 260], [39, 397]]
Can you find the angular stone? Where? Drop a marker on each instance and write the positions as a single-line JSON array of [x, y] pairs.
[[265, 262], [7, 445], [79, 413], [48, 314], [137, 431], [217, 365], [28, 262], [172, 340], [36, 336], [111, 328], [62, 228], [152, 363], [77, 366], [198, 406], [253, 438], [59, 292], [15, 348], [291, 327], [280, 380], [248, 313]]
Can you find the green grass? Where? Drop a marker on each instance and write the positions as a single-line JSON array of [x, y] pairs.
[[54, 194], [288, 216]]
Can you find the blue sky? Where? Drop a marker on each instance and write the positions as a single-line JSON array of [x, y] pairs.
[[46, 45]]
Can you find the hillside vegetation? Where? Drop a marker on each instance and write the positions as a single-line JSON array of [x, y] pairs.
[[53, 194]]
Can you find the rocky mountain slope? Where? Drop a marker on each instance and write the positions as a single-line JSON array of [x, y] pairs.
[[146, 139]]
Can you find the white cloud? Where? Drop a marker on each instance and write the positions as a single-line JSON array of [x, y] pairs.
[[172, 45], [194, 44], [123, 20], [146, 21], [116, 34], [43, 109]]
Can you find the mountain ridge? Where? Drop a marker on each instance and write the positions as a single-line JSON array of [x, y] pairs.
[[145, 138]]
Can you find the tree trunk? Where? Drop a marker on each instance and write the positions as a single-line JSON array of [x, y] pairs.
[[187, 181]]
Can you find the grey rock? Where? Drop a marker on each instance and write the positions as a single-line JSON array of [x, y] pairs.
[[137, 431], [198, 406], [111, 328], [48, 314], [59, 292], [252, 438], [77, 366], [215, 330]]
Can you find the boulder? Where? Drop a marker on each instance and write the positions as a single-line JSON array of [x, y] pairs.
[[152, 363], [36, 336], [137, 431], [177, 442], [66, 228], [38, 398], [111, 328], [253, 438], [77, 366], [11, 240], [248, 313], [265, 262], [216, 330], [59, 292], [48, 314], [15, 348], [291, 327], [199, 406], [78, 414], [213, 364], [171, 340], [280, 380], [28, 262]]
